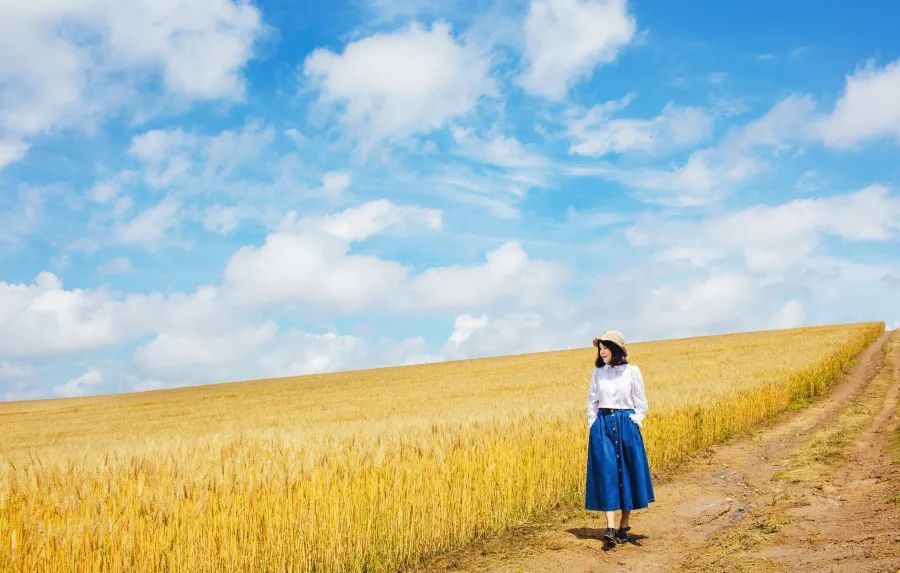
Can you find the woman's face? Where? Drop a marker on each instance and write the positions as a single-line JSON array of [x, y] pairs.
[[605, 353]]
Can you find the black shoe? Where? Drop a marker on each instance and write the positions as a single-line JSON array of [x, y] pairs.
[[609, 535], [622, 535]]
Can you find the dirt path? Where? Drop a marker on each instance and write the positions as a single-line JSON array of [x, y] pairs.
[[813, 490]]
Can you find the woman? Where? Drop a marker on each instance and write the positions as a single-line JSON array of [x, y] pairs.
[[618, 476]]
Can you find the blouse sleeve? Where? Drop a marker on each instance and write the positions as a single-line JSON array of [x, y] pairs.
[[593, 400], [638, 396]]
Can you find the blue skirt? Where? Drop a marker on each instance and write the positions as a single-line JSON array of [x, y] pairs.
[[618, 475]]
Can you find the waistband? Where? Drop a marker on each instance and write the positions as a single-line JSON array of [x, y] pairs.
[[610, 411]]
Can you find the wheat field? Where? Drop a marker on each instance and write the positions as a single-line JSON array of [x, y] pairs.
[[369, 470]]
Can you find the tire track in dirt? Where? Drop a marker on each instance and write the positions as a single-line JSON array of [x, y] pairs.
[[725, 489], [837, 507]]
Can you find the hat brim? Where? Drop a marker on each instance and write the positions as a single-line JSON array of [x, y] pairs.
[[597, 341]]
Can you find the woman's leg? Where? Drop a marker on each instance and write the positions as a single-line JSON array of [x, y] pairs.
[[622, 522], [611, 519], [622, 534], [609, 535]]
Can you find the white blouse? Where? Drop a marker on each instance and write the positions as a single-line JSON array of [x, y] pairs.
[[619, 386]]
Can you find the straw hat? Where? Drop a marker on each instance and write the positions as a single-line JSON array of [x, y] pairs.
[[613, 336]]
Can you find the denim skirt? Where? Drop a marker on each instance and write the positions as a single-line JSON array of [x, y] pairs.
[[618, 475]]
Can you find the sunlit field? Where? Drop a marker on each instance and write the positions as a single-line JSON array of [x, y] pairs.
[[367, 470]]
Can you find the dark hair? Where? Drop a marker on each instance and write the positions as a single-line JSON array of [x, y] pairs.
[[619, 355]]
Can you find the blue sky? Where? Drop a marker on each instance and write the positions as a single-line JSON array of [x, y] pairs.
[[212, 191]]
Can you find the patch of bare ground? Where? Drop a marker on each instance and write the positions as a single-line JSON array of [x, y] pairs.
[[811, 490]]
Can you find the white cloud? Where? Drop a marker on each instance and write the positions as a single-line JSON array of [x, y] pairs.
[[43, 318], [691, 255], [791, 315], [390, 86], [556, 326], [151, 226], [566, 39], [211, 335], [308, 353], [713, 304], [727, 106], [786, 122], [464, 326], [10, 370], [759, 267], [704, 178], [711, 173], [692, 307], [311, 260], [250, 351], [869, 108], [202, 356], [494, 191], [510, 334], [221, 219], [11, 151], [315, 267], [173, 156], [166, 154], [497, 149], [104, 191], [206, 310], [335, 182], [648, 304], [810, 180], [601, 112], [319, 269], [232, 148], [775, 238], [17, 381], [507, 275], [841, 290], [675, 127], [122, 207], [199, 48], [80, 385], [22, 218], [358, 223], [505, 170], [224, 332], [97, 55], [117, 266], [779, 236]]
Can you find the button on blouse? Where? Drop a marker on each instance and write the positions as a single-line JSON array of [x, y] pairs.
[[619, 386]]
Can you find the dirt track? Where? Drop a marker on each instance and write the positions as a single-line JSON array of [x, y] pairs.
[[812, 490]]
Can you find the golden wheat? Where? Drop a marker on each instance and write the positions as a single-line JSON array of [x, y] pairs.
[[362, 471]]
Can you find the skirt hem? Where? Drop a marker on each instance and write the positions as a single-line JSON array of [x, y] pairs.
[[620, 508]]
